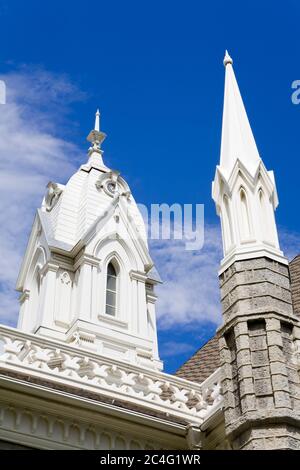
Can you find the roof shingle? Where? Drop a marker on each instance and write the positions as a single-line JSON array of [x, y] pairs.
[[202, 364]]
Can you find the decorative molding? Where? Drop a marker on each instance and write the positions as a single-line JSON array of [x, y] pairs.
[[138, 276], [24, 296], [84, 258], [60, 363], [49, 266], [43, 430], [112, 320], [65, 278], [52, 195]]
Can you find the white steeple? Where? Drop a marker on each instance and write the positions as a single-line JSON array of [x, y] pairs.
[[87, 276], [243, 190], [237, 138]]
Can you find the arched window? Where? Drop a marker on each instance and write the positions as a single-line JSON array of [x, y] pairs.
[[244, 220], [227, 223], [35, 297], [111, 290], [266, 223]]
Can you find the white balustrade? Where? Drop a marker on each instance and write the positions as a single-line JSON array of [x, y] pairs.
[[66, 364]]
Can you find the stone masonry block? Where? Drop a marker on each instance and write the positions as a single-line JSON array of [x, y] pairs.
[[245, 372], [276, 354], [263, 387], [248, 403], [243, 358], [227, 371], [282, 399], [231, 414], [280, 383], [278, 368], [258, 342], [274, 338], [259, 358], [246, 387], [265, 402], [296, 332], [227, 386], [261, 372], [242, 342], [222, 343], [241, 329], [230, 400], [272, 324], [225, 356]]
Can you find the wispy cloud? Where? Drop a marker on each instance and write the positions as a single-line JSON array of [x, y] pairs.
[[31, 153], [190, 293], [289, 242], [175, 348]]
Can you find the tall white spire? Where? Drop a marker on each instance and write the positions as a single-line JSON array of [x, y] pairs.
[[243, 190], [237, 138]]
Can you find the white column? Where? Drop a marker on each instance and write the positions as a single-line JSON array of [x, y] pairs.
[[151, 299], [85, 292], [46, 303], [23, 323], [95, 292], [140, 278], [133, 323]]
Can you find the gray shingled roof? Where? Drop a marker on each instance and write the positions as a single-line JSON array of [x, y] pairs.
[[202, 364]]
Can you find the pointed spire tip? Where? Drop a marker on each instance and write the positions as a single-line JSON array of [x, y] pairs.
[[227, 59], [97, 121]]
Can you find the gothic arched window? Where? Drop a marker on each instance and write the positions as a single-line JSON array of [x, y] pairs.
[[227, 224], [244, 219], [111, 290], [265, 217]]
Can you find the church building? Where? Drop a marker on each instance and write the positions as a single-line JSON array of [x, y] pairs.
[[82, 369]]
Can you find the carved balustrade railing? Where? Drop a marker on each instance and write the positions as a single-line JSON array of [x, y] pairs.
[[68, 365]]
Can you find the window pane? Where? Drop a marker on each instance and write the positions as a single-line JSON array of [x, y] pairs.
[[111, 283], [111, 298], [111, 289], [110, 310], [111, 270]]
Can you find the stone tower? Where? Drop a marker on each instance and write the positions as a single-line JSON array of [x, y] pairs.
[[87, 277], [260, 335]]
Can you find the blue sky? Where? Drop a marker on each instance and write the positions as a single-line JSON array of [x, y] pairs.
[[154, 68]]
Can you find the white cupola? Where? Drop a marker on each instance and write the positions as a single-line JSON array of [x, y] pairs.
[[87, 277], [243, 190]]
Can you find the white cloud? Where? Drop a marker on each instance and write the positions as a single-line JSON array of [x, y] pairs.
[[175, 348], [31, 154], [289, 242], [190, 293]]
